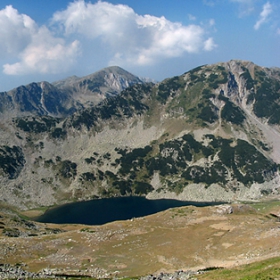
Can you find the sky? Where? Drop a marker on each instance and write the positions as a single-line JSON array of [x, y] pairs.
[[54, 39]]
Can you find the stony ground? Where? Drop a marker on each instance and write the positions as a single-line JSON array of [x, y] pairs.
[[186, 238]]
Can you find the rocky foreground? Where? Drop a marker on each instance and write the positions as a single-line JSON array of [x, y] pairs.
[[8, 271]]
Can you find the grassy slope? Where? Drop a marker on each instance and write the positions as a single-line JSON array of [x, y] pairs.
[[263, 270]]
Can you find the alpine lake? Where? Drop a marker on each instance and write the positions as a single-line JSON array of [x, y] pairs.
[[105, 210]]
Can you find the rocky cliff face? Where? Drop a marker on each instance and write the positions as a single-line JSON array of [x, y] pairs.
[[209, 134]]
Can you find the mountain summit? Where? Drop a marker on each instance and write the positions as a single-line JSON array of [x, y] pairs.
[[209, 134], [99, 85]]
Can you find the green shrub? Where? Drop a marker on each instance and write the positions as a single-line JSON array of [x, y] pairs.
[[232, 113], [68, 169], [142, 188], [208, 113], [58, 133], [124, 187], [88, 176]]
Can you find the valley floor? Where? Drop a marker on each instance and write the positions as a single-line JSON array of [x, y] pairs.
[[186, 238]]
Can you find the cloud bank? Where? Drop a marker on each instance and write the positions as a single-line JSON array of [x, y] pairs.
[[86, 29], [131, 37]]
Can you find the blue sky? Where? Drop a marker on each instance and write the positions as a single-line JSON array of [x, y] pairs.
[[149, 38]]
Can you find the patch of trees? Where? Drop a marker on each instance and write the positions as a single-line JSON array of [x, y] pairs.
[[36, 125], [132, 160], [11, 161], [215, 80], [232, 113], [67, 169], [267, 100], [248, 78], [88, 176], [167, 88], [58, 133], [208, 112]]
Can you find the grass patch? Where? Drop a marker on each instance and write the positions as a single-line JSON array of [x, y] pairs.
[[34, 213], [265, 207], [267, 269]]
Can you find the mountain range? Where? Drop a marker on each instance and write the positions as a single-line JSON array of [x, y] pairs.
[[62, 98], [210, 134]]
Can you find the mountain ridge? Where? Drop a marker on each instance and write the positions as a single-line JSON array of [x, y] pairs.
[[209, 134], [62, 98]]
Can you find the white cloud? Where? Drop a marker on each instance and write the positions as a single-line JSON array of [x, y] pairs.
[[209, 44], [246, 7], [131, 37], [191, 17], [211, 22], [266, 11], [35, 48], [45, 54], [15, 32], [113, 33]]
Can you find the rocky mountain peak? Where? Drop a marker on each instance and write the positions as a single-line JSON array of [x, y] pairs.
[[46, 86], [115, 78]]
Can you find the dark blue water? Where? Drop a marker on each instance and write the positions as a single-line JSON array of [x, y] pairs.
[[101, 211]]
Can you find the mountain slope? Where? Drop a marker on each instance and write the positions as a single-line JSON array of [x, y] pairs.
[[204, 135]]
